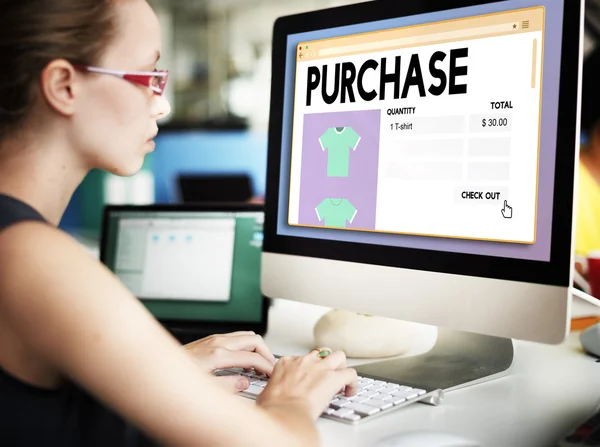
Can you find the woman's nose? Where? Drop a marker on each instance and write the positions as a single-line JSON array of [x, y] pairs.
[[160, 107]]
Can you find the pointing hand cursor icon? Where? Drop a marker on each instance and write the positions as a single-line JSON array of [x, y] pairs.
[[507, 211]]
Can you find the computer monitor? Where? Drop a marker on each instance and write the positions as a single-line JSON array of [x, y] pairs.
[[421, 164], [195, 267]]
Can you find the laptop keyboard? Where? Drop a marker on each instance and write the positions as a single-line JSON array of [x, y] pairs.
[[374, 398]]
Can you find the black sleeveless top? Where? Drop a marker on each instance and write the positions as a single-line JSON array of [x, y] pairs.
[[67, 416]]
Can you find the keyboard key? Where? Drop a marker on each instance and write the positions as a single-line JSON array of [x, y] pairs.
[[358, 399], [362, 409], [328, 411], [352, 417], [339, 403], [261, 383], [398, 400], [381, 404], [342, 412], [387, 391], [254, 390], [407, 394], [369, 394]]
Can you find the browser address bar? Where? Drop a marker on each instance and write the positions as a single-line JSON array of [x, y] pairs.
[[424, 39]]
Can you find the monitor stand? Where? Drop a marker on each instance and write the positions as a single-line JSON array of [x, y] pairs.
[[458, 359]]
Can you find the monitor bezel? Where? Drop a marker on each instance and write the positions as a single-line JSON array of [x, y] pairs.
[[555, 272], [204, 326]]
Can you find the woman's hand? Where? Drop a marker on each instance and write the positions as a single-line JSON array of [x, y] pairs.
[[311, 379], [242, 349]]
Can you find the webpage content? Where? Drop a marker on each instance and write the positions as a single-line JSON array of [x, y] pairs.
[[179, 259], [431, 130]]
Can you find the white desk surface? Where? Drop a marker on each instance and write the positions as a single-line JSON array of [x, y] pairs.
[[549, 390]]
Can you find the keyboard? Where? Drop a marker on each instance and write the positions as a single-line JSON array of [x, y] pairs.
[[374, 398]]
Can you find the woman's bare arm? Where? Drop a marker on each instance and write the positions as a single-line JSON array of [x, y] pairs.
[[78, 316]]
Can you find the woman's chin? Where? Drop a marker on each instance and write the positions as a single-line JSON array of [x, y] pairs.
[[127, 170]]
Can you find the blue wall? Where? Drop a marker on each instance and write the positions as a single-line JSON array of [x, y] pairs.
[[207, 152]]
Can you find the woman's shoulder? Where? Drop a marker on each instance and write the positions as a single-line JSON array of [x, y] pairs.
[[33, 254], [31, 235]]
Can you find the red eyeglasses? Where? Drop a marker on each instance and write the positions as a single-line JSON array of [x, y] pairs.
[[154, 80]]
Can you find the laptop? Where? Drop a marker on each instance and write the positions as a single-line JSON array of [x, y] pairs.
[[196, 267]]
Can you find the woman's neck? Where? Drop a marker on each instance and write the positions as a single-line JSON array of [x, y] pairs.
[[43, 175]]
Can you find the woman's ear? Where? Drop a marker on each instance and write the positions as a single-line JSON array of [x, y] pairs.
[[58, 86]]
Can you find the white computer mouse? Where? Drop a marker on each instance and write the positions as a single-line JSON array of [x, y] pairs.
[[422, 438], [590, 340]]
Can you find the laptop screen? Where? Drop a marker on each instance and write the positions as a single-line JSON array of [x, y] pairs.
[[189, 265]]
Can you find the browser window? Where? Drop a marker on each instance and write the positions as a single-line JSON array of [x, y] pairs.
[[429, 130], [160, 258]]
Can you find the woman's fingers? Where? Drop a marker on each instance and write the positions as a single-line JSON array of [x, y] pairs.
[[335, 360], [346, 378], [233, 384], [245, 342], [225, 358], [234, 334]]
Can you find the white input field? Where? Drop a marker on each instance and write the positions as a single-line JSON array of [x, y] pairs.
[[479, 31]]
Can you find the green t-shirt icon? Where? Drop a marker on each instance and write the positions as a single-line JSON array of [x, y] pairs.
[[338, 141], [336, 212]]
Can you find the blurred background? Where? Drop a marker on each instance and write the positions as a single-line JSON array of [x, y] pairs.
[[213, 145]]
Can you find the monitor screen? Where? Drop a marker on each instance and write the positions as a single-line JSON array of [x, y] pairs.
[[435, 131], [189, 265]]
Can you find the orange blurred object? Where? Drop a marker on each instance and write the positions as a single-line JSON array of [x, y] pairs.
[[579, 324]]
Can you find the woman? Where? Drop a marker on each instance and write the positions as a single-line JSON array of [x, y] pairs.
[[76, 348]]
